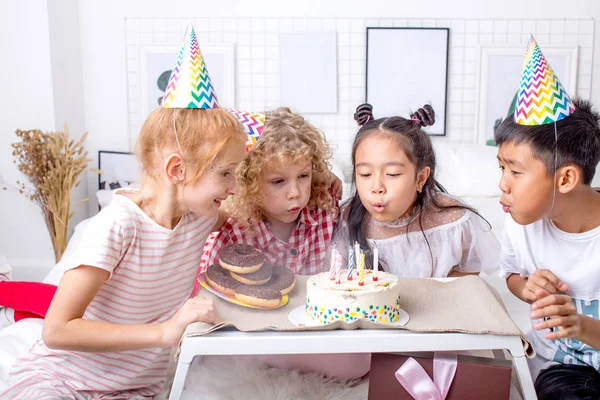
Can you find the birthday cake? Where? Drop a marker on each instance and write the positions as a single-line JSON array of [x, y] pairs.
[[329, 300]]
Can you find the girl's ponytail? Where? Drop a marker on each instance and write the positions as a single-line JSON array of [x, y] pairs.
[[363, 114]]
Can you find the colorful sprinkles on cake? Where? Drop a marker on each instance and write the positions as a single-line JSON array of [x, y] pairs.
[[372, 308], [374, 313]]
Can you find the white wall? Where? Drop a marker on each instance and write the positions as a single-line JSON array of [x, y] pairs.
[[27, 102], [258, 78], [42, 88], [105, 63], [67, 81]]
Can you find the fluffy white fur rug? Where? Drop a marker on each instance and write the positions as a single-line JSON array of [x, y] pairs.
[[234, 377], [245, 378]]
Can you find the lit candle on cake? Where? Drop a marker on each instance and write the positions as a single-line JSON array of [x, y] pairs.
[[338, 267], [332, 272], [357, 253], [350, 262], [375, 264], [361, 269]]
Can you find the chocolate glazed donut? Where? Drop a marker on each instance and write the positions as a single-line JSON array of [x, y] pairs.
[[241, 258], [260, 277], [282, 279], [259, 296], [220, 280]]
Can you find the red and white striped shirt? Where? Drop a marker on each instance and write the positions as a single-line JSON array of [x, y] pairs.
[[152, 273], [304, 253]]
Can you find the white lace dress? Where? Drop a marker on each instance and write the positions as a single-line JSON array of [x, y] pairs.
[[451, 239]]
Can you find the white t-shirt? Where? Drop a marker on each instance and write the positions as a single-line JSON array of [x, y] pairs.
[[455, 238], [575, 259]]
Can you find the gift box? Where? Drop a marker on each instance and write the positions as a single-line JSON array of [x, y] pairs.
[[455, 377]]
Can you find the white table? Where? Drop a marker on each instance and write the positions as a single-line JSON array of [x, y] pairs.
[[232, 342]]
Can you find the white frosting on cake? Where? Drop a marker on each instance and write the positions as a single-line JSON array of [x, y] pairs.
[[328, 301]]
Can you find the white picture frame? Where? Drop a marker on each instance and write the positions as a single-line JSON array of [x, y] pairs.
[[156, 60], [499, 75], [407, 68], [308, 61]]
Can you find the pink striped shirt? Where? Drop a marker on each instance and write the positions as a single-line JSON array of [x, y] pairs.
[[152, 272]]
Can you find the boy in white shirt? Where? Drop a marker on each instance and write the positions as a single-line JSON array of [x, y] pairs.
[[551, 245]]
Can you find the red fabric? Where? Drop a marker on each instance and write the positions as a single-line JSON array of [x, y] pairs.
[[28, 299]]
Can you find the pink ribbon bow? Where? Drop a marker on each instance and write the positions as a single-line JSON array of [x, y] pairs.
[[419, 385]]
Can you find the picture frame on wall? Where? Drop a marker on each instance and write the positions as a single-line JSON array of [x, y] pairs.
[[407, 68], [308, 61], [157, 63], [499, 77]]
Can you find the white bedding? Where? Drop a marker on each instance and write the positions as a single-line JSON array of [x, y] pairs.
[[15, 341]]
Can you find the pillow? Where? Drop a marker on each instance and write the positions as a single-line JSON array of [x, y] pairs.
[[596, 180], [489, 208], [469, 170], [56, 273], [105, 197], [5, 269], [342, 167]]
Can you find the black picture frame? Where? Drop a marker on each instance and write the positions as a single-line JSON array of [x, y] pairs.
[[112, 159]]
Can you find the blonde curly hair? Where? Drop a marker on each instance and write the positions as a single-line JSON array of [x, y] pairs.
[[287, 138]]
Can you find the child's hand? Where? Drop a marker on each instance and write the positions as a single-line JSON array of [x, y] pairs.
[[196, 309], [336, 186], [542, 283], [562, 314]]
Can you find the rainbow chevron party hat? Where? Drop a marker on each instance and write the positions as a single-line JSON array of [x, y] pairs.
[[542, 99], [253, 124], [189, 85]]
